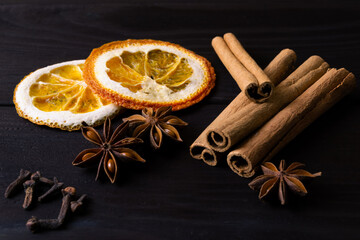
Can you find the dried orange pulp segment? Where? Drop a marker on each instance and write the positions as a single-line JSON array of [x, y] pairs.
[[148, 73], [57, 96]]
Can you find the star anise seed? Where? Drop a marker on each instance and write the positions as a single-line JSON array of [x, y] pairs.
[[158, 122], [282, 179], [111, 148]]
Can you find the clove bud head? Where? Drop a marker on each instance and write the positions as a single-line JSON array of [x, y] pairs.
[[36, 176], [33, 224], [69, 190]]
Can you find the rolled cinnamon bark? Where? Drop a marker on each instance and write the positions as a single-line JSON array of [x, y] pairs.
[[290, 121], [240, 124], [334, 96], [265, 87], [277, 70], [246, 81]]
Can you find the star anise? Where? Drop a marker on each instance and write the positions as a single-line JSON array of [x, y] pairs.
[[281, 179], [111, 149], [158, 122]]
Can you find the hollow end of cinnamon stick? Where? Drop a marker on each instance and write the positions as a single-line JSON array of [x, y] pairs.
[[196, 150], [240, 165], [203, 152], [251, 91], [209, 157], [218, 141], [260, 93], [266, 89]]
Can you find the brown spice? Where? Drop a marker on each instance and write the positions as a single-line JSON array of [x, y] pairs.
[[111, 148], [34, 224], [265, 86], [56, 186], [157, 122], [282, 179], [239, 125], [286, 124], [248, 75], [277, 70], [17, 183], [245, 80]]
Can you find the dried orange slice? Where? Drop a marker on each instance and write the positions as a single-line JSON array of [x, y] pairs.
[[148, 73], [57, 96]]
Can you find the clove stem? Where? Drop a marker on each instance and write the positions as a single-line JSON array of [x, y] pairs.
[[34, 224], [29, 187], [23, 176], [56, 185], [76, 204], [46, 181]]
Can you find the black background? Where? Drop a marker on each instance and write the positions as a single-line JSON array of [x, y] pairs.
[[173, 196]]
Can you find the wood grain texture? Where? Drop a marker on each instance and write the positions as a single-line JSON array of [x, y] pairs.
[[174, 196]]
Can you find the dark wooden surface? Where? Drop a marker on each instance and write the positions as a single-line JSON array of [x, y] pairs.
[[174, 196]]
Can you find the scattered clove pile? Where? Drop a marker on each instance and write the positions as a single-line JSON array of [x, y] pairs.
[[34, 224], [30, 187], [30, 182]]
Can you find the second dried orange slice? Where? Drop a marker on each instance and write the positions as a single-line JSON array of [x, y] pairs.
[[148, 73]]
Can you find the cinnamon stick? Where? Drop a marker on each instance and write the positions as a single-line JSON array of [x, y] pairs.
[[246, 81], [290, 121], [265, 87], [334, 96], [277, 70], [240, 124]]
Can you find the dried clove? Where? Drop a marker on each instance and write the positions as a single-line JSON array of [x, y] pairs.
[[29, 187], [17, 183], [30, 182], [56, 186], [45, 180], [34, 224], [68, 194], [76, 204]]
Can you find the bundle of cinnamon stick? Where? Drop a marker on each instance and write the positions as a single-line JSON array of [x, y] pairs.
[[274, 106]]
